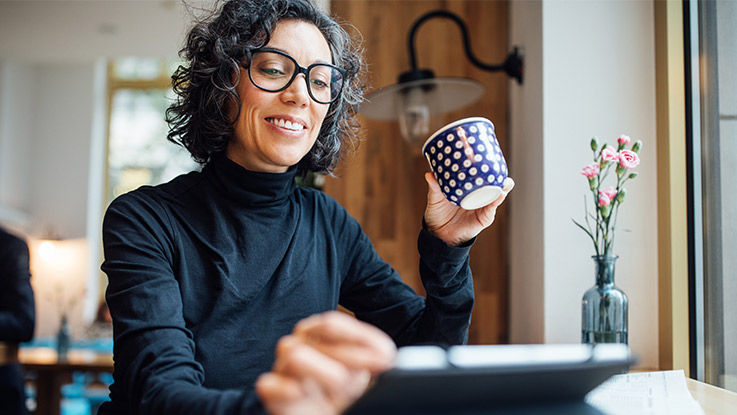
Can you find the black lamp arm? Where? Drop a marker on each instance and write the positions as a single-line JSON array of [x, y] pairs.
[[512, 65]]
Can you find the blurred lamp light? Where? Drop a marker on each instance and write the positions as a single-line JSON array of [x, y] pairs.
[[47, 251]]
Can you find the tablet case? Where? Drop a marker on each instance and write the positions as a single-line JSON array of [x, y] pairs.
[[490, 380]]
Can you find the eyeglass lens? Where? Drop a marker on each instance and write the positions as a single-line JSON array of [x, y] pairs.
[[273, 72]]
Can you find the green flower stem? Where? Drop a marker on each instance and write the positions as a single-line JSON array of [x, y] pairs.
[[598, 221], [588, 224], [602, 230], [622, 178], [595, 192]]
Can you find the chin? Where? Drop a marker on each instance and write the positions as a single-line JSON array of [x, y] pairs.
[[287, 162], [290, 158]]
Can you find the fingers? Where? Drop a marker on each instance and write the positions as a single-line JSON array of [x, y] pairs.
[[334, 326], [325, 365], [507, 187], [300, 361], [273, 386], [356, 357], [354, 343], [487, 213], [508, 184], [285, 395]]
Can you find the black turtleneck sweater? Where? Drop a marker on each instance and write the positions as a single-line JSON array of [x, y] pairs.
[[17, 311], [208, 271]]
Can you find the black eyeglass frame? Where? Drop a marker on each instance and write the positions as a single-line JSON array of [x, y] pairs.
[[297, 70]]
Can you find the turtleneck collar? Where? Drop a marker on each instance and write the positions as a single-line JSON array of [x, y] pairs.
[[246, 187]]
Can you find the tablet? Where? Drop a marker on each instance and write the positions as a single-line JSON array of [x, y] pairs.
[[509, 379]]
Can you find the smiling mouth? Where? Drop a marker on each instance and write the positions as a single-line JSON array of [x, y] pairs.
[[294, 126]]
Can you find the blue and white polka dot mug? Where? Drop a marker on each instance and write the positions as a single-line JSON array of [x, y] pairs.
[[467, 162]]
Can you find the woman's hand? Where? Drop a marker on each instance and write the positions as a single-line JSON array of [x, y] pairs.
[[453, 224], [324, 365]]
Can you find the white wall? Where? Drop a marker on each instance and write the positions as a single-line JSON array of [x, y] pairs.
[[16, 80], [526, 262], [46, 114], [597, 69], [62, 119], [83, 30]]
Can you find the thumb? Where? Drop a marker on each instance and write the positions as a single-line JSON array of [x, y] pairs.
[[434, 194]]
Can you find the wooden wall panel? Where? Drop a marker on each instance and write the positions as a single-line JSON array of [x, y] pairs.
[[382, 184]]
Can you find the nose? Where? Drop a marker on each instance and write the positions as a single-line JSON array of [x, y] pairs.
[[296, 93]]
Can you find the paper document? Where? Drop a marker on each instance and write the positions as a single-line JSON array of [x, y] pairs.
[[649, 393]]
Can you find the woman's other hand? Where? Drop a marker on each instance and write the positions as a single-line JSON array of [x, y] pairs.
[[324, 365], [453, 224]]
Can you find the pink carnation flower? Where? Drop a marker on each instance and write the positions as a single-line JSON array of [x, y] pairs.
[[628, 159], [623, 139], [610, 192], [591, 170], [604, 200], [609, 154]]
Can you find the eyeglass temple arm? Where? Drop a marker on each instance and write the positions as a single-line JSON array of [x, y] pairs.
[[512, 65]]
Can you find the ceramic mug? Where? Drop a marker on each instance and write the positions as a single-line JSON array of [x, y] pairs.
[[467, 162]]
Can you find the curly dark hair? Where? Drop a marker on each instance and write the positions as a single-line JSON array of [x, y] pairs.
[[201, 119]]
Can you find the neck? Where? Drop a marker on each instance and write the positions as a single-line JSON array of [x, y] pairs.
[[605, 269], [247, 187]]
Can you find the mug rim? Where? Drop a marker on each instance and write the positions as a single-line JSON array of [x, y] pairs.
[[453, 124]]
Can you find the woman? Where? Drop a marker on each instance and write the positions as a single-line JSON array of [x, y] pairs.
[[17, 320], [209, 271]]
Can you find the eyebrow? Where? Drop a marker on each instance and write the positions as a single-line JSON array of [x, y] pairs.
[[271, 48]]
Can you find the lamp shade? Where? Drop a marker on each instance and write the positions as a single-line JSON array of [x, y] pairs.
[[439, 94]]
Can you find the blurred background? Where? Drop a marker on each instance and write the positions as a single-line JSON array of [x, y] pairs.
[[84, 86]]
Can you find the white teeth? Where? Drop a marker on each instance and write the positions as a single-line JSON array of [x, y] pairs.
[[286, 124]]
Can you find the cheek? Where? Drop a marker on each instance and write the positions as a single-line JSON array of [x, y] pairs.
[[321, 114], [240, 100], [251, 101]]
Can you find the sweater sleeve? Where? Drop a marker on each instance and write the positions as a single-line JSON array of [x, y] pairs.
[[17, 312], [375, 292], [155, 369]]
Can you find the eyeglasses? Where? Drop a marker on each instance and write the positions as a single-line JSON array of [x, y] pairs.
[[273, 71]]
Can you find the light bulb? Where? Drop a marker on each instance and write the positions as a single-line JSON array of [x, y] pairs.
[[414, 115], [47, 251]]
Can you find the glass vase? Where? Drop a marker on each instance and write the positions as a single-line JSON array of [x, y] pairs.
[[604, 306], [62, 339]]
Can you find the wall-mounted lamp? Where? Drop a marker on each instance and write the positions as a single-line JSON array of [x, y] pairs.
[[418, 93]]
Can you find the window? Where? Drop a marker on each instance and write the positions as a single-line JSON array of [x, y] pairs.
[[711, 48], [138, 151]]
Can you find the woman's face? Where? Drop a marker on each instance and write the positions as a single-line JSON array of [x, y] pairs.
[[260, 144]]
